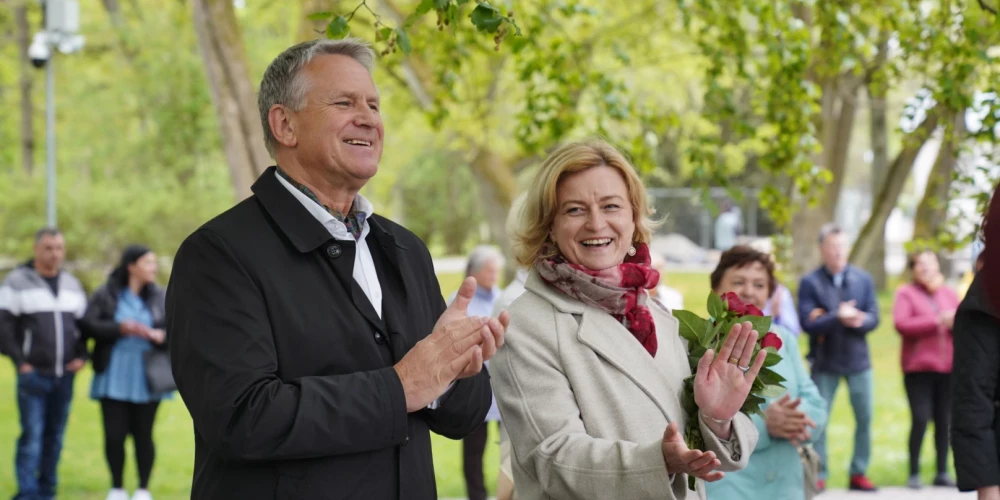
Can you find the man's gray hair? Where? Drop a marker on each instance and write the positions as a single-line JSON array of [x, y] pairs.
[[828, 229], [480, 256], [283, 84], [46, 232]]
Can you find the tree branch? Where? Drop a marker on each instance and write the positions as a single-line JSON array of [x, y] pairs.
[[895, 179], [987, 8]]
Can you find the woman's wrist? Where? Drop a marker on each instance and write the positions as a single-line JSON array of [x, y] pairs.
[[723, 428]]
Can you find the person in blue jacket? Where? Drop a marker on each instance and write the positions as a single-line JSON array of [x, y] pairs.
[[795, 419], [838, 309]]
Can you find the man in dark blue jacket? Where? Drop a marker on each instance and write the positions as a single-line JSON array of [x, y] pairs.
[[837, 308]]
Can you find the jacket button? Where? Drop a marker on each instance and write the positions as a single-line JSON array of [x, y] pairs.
[[406, 441], [333, 251], [379, 338]]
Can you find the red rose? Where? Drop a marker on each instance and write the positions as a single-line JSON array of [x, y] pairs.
[[753, 311], [771, 339], [734, 304]]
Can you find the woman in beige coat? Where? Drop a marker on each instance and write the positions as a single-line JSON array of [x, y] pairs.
[[589, 380]]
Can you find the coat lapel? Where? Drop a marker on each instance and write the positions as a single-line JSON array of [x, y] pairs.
[[380, 237], [603, 334], [341, 258]]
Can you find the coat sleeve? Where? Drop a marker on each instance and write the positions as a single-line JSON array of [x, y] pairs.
[[910, 320], [870, 307], [97, 322], [973, 410], [225, 364], [547, 435], [463, 407], [10, 309], [808, 301], [733, 454]]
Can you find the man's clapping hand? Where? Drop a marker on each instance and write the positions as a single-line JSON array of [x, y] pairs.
[[455, 349], [849, 315]]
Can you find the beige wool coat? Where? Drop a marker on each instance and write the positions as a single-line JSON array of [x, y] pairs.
[[586, 406]]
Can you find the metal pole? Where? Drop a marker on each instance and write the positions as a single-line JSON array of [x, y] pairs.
[[50, 142]]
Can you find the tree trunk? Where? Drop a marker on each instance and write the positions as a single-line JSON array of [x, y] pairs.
[[838, 111], [932, 212], [875, 265], [497, 189], [25, 83], [933, 208], [885, 198], [232, 92], [114, 11]]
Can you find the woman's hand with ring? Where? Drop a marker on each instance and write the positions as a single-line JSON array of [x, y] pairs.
[[721, 386]]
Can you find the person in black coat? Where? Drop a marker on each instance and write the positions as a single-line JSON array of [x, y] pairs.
[[309, 337], [975, 427], [125, 317]]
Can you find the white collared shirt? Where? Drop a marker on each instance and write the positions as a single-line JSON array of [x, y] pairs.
[[364, 265]]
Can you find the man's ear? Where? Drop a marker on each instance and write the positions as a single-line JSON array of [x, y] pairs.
[[281, 121]]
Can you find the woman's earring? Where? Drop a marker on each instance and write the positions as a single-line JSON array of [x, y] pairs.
[[631, 251]]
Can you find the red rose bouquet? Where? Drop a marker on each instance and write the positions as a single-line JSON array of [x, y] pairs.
[[704, 334]]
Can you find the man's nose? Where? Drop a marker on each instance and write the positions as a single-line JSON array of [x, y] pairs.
[[367, 117]]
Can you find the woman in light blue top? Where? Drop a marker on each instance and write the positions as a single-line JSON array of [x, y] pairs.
[[125, 318], [775, 470]]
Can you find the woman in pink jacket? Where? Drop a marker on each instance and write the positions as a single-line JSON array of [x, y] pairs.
[[923, 313]]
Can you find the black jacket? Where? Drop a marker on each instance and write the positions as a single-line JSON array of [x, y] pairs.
[[975, 428], [833, 347], [38, 327], [286, 368], [99, 323]]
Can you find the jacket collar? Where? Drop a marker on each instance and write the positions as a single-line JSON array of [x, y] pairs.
[[602, 333], [293, 219]]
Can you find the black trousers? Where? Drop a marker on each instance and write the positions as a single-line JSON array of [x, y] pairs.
[[929, 394], [120, 420], [473, 447]]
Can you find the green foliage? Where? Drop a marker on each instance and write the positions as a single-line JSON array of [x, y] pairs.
[[442, 201], [99, 219], [772, 64], [138, 149], [337, 28]]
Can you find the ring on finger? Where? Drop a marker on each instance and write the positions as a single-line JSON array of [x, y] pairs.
[[744, 369], [734, 360]]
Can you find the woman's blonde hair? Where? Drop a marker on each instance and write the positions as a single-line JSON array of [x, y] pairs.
[[532, 236]]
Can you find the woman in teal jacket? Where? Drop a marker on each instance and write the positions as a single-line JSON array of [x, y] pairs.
[[775, 470]]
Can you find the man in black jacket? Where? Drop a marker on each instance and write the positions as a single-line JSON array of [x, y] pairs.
[[310, 340], [39, 306]]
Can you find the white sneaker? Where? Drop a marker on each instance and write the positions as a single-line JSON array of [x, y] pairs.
[[117, 494], [142, 495]]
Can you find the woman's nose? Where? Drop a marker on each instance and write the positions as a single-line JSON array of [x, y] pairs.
[[595, 220]]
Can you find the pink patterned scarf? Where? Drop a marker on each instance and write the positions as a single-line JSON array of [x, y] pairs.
[[620, 291]]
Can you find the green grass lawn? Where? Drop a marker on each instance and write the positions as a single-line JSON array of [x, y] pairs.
[[84, 475]]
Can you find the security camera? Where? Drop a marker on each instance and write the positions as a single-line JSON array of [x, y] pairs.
[[39, 51]]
